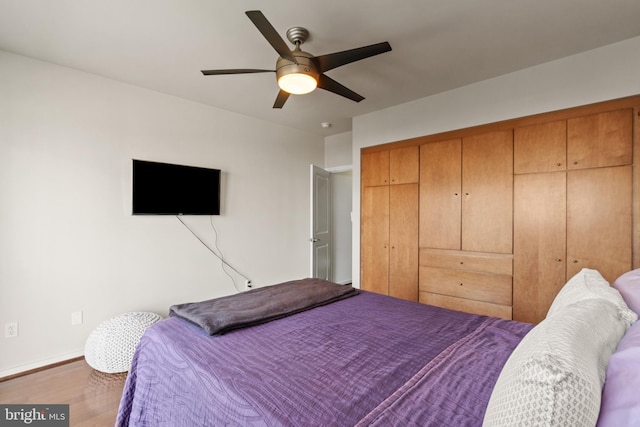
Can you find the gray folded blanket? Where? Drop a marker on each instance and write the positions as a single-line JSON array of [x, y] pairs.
[[260, 305]]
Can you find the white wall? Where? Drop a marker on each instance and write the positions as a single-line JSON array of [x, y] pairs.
[[67, 239], [338, 150], [601, 74]]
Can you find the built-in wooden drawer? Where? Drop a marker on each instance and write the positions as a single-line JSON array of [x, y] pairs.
[[493, 288], [467, 305], [468, 261], [474, 282]]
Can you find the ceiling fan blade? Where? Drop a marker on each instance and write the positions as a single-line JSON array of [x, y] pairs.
[[281, 99], [234, 71], [270, 33], [331, 85], [333, 60]]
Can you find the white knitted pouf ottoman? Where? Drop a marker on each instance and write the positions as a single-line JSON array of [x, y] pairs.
[[111, 345]]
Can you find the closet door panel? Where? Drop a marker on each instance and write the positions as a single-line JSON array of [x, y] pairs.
[[540, 147], [403, 227], [599, 226], [539, 243], [374, 251], [487, 192], [404, 165], [440, 194], [375, 168], [600, 140]]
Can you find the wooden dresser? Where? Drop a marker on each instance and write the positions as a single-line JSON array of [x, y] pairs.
[[494, 219]]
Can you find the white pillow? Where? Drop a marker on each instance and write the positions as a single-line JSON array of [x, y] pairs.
[[554, 377], [589, 284]]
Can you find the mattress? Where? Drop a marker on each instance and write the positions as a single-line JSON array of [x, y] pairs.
[[365, 360]]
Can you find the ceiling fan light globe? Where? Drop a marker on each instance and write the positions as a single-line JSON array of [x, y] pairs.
[[299, 78], [297, 83]]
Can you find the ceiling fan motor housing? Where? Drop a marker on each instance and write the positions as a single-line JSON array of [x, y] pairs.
[[305, 66]]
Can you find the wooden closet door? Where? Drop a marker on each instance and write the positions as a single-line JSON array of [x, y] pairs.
[[600, 140], [403, 227], [374, 240], [487, 192], [440, 194], [539, 243], [540, 147], [599, 227], [375, 168], [404, 165]]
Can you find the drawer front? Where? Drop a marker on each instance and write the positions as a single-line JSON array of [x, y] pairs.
[[492, 288], [466, 305], [468, 261]]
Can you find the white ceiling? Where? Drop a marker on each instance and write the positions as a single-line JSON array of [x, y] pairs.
[[437, 45]]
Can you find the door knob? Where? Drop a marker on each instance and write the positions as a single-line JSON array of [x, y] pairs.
[[313, 240]]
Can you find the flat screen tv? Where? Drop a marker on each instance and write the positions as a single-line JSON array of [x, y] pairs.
[[168, 189]]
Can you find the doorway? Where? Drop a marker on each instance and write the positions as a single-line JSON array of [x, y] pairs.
[[337, 182]]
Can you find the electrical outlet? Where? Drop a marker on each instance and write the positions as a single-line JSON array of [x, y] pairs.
[[76, 318], [11, 329], [247, 284]]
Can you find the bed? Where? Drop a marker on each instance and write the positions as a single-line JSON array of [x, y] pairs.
[[371, 360]]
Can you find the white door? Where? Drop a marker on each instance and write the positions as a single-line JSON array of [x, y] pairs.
[[320, 223]]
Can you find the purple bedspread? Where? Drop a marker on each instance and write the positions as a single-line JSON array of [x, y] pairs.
[[365, 360]]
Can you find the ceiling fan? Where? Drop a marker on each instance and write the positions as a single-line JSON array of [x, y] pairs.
[[300, 72]]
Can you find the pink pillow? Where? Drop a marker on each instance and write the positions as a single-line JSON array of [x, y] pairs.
[[620, 403], [629, 287]]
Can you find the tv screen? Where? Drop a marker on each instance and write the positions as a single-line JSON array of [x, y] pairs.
[[168, 189]]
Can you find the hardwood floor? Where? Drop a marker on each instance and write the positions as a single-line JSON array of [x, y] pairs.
[[93, 396]]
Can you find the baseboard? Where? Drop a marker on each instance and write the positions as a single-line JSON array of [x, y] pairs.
[[28, 368]]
